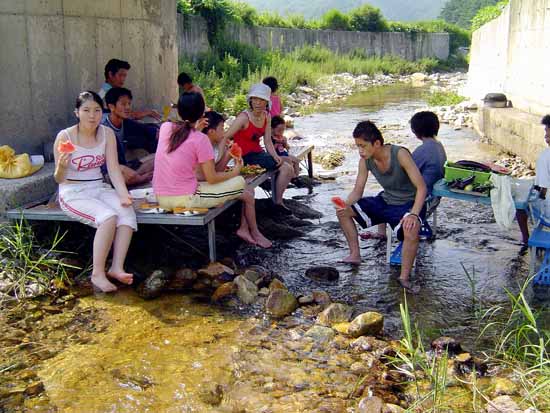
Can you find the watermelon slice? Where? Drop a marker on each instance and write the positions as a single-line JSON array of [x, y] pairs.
[[236, 151], [339, 202], [66, 147]]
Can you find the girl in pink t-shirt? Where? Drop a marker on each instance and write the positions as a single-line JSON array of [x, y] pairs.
[[181, 150], [276, 107]]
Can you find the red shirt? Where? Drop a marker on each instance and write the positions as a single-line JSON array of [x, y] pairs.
[[249, 138]]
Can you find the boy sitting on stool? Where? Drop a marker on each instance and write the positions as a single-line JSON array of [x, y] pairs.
[[400, 203]]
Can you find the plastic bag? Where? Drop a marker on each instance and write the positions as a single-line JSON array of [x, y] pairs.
[[504, 208], [6, 153], [16, 166]]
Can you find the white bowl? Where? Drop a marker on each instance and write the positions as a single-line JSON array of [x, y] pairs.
[[143, 193]]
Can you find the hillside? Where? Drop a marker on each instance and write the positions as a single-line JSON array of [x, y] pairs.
[[401, 10]]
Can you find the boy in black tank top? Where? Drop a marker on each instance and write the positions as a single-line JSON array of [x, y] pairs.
[[400, 203]]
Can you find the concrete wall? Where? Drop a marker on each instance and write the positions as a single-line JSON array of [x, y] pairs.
[[193, 40], [510, 55], [53, 49]]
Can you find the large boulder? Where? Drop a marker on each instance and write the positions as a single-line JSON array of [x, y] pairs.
[[370, 323], [334, 314], [280, 303], [323, 273], [183, 279]]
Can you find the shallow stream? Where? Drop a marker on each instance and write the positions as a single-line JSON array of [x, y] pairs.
[[177, 354]]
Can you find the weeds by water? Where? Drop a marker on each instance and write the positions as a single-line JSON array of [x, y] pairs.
[[28, 268], [227, 72], [444, 99]]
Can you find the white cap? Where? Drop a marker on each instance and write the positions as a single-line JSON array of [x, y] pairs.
[[259, 90]]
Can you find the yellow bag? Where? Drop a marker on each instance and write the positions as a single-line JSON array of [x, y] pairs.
[[6, 153], [16, 166]]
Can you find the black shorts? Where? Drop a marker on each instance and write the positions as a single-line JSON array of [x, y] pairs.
[[262, 158]]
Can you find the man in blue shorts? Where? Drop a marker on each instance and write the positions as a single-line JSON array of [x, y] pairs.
[[400, 203]]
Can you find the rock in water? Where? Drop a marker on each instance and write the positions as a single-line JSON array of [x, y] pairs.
[[223, 291], [280, 303], [370, 405], [321, 273], [246, 290], [153, 285], [321, 335], [334, 314], [367, 324], [183, 279], [448, 344]]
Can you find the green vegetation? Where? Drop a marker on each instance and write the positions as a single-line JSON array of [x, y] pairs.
[[521, 345], [218, 13], [444, 99], [227, 72], [461, 12], [487, 14], [27, 263]]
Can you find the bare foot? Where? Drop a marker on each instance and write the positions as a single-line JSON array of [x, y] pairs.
[[406, 284], [262, 241], [102, 283], [245, 235], [352, 259], [121, 275]]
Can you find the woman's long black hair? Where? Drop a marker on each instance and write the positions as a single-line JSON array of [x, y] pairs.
[[190, 108]]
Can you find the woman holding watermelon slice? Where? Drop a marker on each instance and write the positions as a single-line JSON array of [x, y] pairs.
[[79, 153]]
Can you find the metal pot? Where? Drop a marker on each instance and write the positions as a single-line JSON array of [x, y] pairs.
[[495, 100]]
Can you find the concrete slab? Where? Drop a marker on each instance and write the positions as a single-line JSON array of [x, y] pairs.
[[12, 6], [17, 192], [16, 116], [133, 38], [96, 8], [43, 7], [47, 58], [131, 9], [515, 131], [152, 10], [108, 44], [81, 59]]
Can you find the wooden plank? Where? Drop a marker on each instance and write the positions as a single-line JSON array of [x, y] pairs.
[[300, 152]]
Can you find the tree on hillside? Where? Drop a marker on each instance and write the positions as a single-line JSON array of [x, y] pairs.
[[335, 20], [367, 19], [461, 12]]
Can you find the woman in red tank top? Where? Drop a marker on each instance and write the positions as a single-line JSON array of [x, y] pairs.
[[248, 129]]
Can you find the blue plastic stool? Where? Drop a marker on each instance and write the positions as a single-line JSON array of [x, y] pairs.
[[540, 238], [425, 233]]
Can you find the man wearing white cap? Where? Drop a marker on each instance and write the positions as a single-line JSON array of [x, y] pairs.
[[248, 129]]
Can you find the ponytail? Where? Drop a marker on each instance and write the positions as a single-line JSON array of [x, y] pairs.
[[179, 135]]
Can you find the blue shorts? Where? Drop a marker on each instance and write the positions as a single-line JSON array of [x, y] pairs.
[[282, 153], [262, 158], [373, 210]]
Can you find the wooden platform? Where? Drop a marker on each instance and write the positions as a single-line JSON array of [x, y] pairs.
[[39, 211]]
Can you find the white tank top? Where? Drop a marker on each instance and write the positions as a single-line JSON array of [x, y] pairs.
[[85, 163]]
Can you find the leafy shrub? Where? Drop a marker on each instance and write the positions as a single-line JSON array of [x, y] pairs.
[[444, 99], [367, 19], [335, 20], [458, 37], [245, 13], [487, 14]]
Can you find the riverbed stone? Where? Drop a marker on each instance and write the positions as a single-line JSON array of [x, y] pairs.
[[34, 388], [321, 335], [182, 279], [370, 323], [448, 344], [211, 393], [330, 159], [322, 298], [334, 313], [503, 404], [393, 408], [276, 284], [370, 405], [306, 299], [224, 290], [323, 273], [504, 386], [301, 210], [342, 328], [215, 269], [252, 275], [246, 290], [280, 303], [153, 285]]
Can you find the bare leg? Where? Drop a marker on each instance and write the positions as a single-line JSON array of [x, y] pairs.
[[286, 173], [123, 237], [249, 215], [350, 231], [147, 165], [521, 216], [103, 240], [408, 254], [244, 231]]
